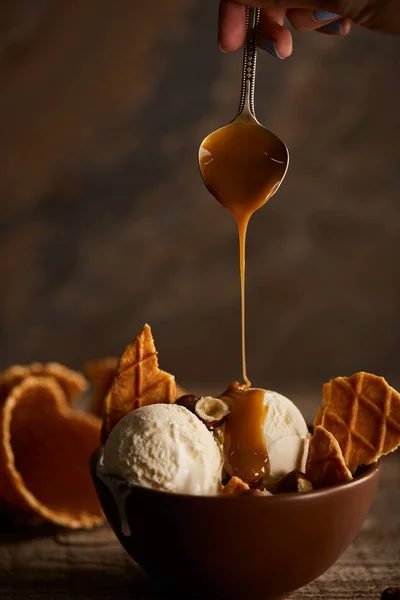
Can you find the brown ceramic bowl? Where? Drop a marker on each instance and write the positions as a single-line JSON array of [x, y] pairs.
[[236, 547]]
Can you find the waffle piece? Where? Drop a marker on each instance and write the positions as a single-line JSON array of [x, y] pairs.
[[72, 382], [101, 374], [325, 463], [363, 414], [234, 487], [44, 449], [138, 382]]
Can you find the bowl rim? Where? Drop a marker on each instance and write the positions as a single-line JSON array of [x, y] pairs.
[[371, 471]]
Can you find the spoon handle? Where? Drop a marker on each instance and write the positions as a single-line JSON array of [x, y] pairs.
[[246, 106]]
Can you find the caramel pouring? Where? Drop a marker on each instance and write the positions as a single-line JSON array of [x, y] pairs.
[[242, 167], [245, 451]]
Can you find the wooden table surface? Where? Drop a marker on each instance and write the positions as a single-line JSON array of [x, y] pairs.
[[46, 563]]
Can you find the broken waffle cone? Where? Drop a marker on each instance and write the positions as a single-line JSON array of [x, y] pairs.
[[363, 414], [72, 382], [44, 450], [138, 382], [234, 487], [101, 374], [325, 462]]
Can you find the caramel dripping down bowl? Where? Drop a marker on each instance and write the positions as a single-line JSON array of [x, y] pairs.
[[228, 548]]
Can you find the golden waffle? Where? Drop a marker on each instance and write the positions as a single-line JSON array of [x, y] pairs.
[[325, 462], [138, 382], [72, 382], [363, 414], [45, 447], [101, 375], [234, 486]]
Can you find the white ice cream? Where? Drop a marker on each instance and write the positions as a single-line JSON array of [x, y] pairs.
[[286, 454], [164, 447], [286, 434]]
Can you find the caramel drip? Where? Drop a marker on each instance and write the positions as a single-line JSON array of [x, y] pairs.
[[242, 168], [242, 223], [242, 171], [246, 454]]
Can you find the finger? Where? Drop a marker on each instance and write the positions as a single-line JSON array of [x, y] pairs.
[[377, 15], [231, 25], [272, 35], [340, 28], [308, 20]]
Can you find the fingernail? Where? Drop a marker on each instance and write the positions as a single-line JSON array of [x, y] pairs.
[[269, 46], [222, 50], [334, 28], [323, 15]]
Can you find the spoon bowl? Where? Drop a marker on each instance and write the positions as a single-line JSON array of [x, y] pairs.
[[243, 164]]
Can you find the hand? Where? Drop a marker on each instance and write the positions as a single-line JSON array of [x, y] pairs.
[[332, 17]]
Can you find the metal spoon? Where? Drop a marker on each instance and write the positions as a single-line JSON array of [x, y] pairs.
[[232, 159]]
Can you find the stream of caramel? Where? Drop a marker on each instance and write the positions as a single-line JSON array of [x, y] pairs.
[[246, 455], [242, 168]]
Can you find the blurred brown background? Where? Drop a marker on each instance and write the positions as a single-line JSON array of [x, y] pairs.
[[105, 223]]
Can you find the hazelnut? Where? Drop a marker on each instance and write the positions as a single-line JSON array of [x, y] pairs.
[[295, 481], [211, 411], [391, 593], [188, 401]]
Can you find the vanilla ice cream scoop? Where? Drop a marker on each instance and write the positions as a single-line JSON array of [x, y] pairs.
[[283, 417], [286, 435], [164, 447]]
